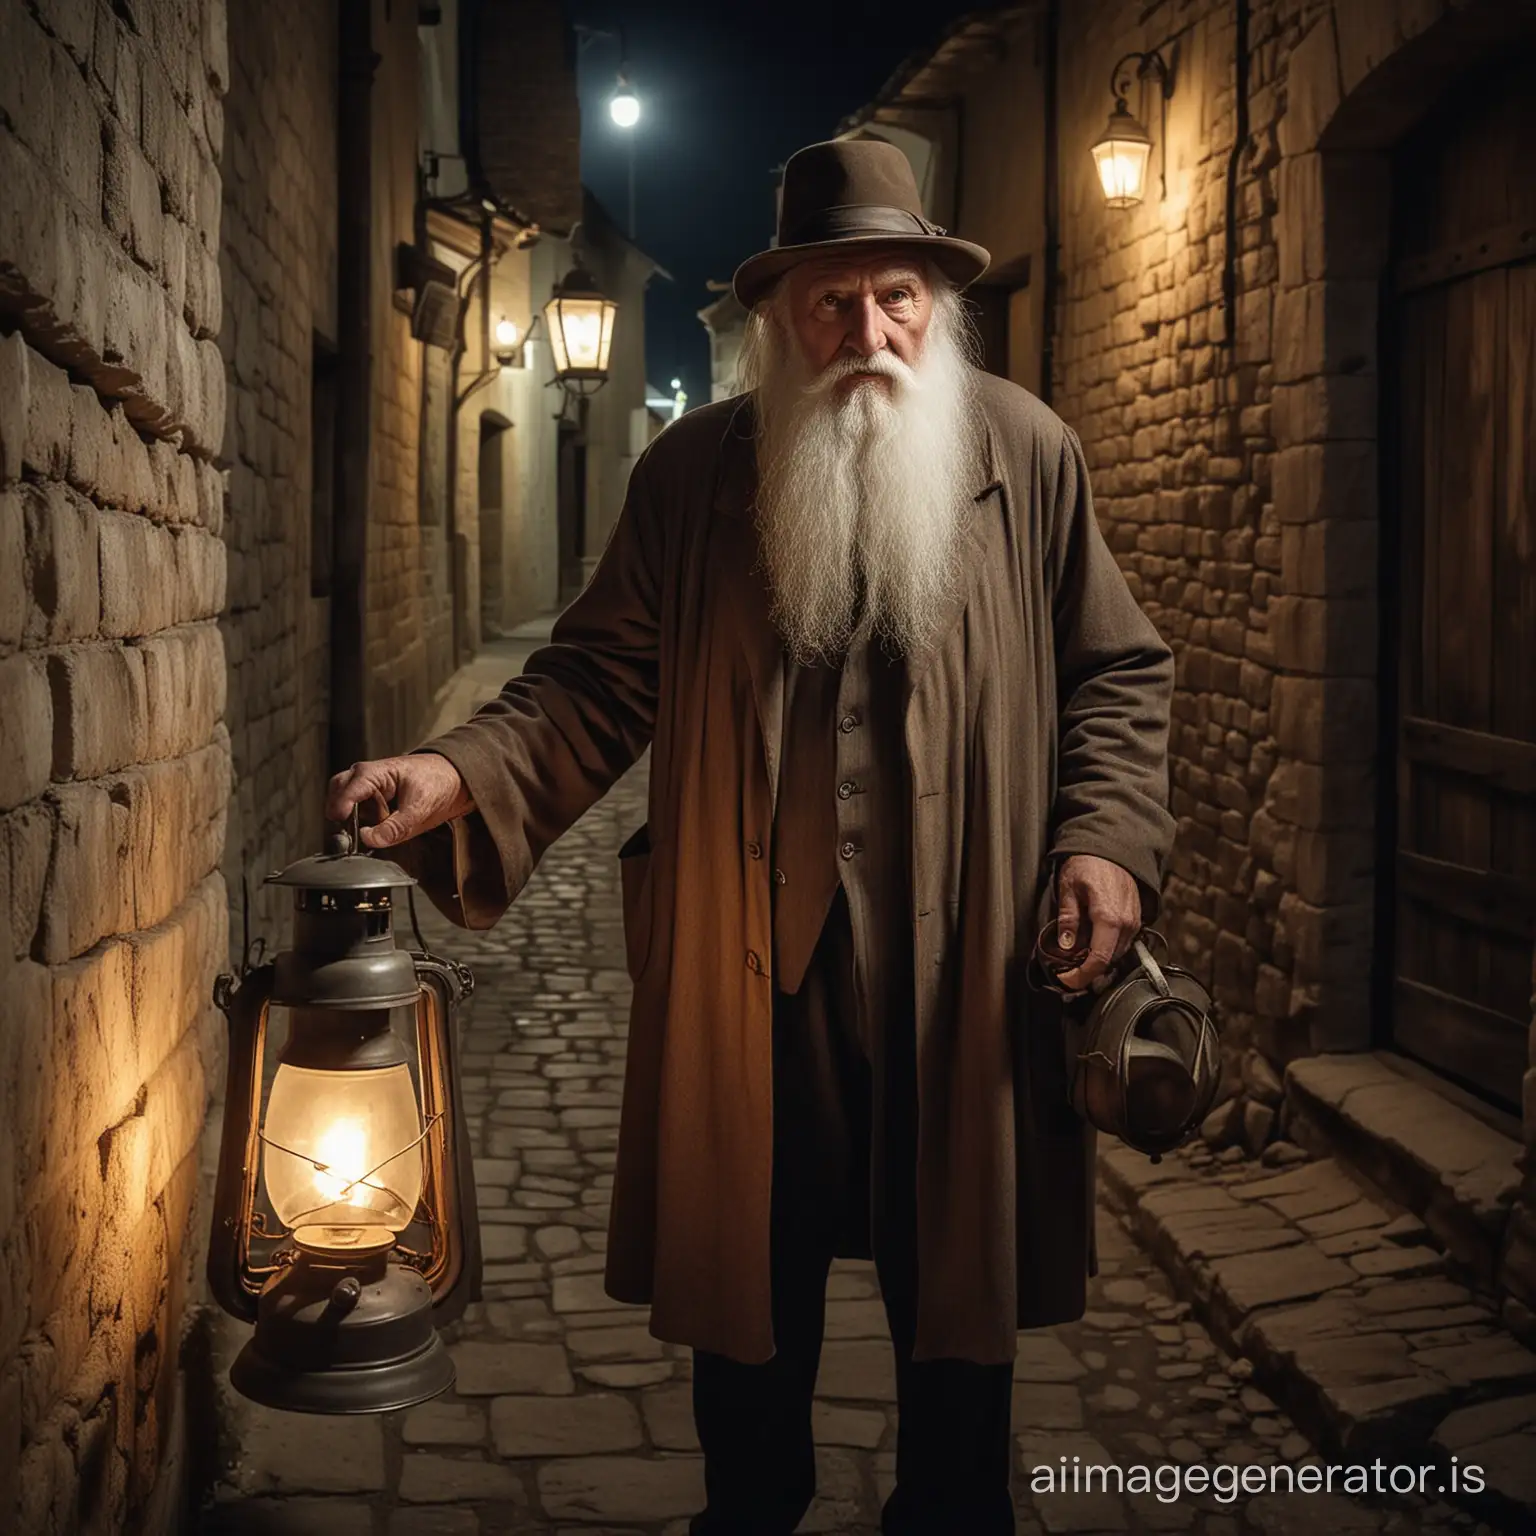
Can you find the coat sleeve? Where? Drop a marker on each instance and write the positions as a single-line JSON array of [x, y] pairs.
[[555, 739], [1114, 688]]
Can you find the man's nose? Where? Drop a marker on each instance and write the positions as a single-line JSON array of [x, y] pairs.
[[866, 334]]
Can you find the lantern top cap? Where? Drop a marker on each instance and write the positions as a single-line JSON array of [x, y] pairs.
[[578, 283], [341, 872], [1123, 127]]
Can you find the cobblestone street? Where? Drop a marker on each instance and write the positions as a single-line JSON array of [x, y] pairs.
[[568, 1415]]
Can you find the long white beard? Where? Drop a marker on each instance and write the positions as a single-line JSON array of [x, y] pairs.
[[861, 492]]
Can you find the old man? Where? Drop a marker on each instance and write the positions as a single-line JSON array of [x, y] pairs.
[[898, 698]]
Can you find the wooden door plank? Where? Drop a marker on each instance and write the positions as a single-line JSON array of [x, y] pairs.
[[1501, 763], [1481, 1048], [1483, 898]]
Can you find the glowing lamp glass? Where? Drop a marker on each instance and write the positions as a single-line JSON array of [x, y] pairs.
[[580, 320], [506, 334], [624, 108], [342, 1155], [1120, 157]]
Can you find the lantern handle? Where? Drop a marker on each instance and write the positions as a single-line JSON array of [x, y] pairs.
[[244, 1002]]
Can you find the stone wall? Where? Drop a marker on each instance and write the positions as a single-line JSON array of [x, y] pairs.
[[1235, 459], [278, 267], [410, 592], [1172, 393], [114, 763]]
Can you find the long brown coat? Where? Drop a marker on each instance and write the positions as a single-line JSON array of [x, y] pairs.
[[1036, 725]]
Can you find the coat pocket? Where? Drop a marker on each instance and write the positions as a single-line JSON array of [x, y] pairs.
[[635, 879]]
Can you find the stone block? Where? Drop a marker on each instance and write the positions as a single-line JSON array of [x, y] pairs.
[[1334, 868], [622, 1488], [100, 710], [1330, 944], [26, 78], [1325, 720], [427, 1478], [13, 401], [88, 890], [1248, 1281], [26, 729], [49, 404], [1329, 559], [139, 585], [131, 198], [588, 1425], [63, 566], [1325, 328], [293, 1453], [26, 844], [490, 1370], [189, 794], [1325, 637], [175, 1099], [92, 448], [1335, 407], [185, 681], [74, 146], [1333, 217], [72, 1087], [1313, 89], [201, 566], [1322, 796], [174, 964]]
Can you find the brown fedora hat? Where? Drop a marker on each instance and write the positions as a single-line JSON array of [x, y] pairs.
[[848, 193]]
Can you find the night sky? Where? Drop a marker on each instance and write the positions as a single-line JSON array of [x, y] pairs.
[[728, 91]]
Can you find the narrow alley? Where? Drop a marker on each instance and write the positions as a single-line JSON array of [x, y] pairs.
[[568, 1416]]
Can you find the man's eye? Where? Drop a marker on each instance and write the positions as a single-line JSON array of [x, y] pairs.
[[830, 299], [898, 296]]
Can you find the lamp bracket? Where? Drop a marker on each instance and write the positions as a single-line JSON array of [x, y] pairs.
[[1150, 65]]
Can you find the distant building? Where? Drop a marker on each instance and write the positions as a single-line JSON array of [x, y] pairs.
[[725, 320]]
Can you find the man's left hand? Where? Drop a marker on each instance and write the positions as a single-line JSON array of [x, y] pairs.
[[1093, 891]]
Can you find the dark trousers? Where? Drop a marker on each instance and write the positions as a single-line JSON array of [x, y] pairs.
[[754, 1421]]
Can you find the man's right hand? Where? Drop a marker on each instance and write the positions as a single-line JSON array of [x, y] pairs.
[[425, 789]]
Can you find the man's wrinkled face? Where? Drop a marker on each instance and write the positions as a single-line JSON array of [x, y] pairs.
[[859, 370], [845, 308]]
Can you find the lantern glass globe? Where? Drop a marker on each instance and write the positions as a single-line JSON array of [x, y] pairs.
[[624, 107], [1120, 156], [506, 333], [342, 1155]]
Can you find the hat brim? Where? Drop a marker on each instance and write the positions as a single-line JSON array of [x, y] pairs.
[[960, 261]]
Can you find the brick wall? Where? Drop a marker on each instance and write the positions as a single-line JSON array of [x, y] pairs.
[[114, 763], [278, 268], [1176, 425]]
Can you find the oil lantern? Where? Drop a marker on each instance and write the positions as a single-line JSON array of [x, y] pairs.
[[579, 319], [344, 1222]]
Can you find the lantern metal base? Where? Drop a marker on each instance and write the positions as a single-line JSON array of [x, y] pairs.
[[349, 1334]]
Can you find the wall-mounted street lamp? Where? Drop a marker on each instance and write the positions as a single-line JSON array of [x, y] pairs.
[[344, 1222], [1121, 152], [579, 321], [507, 338], [624, 105]]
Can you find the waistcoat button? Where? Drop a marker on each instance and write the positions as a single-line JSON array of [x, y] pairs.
[[848, 850], [846, 788]]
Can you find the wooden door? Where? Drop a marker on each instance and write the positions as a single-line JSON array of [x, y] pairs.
[[1464, 495]]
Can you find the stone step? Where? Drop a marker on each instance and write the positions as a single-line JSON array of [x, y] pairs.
[[1375, 1347]]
